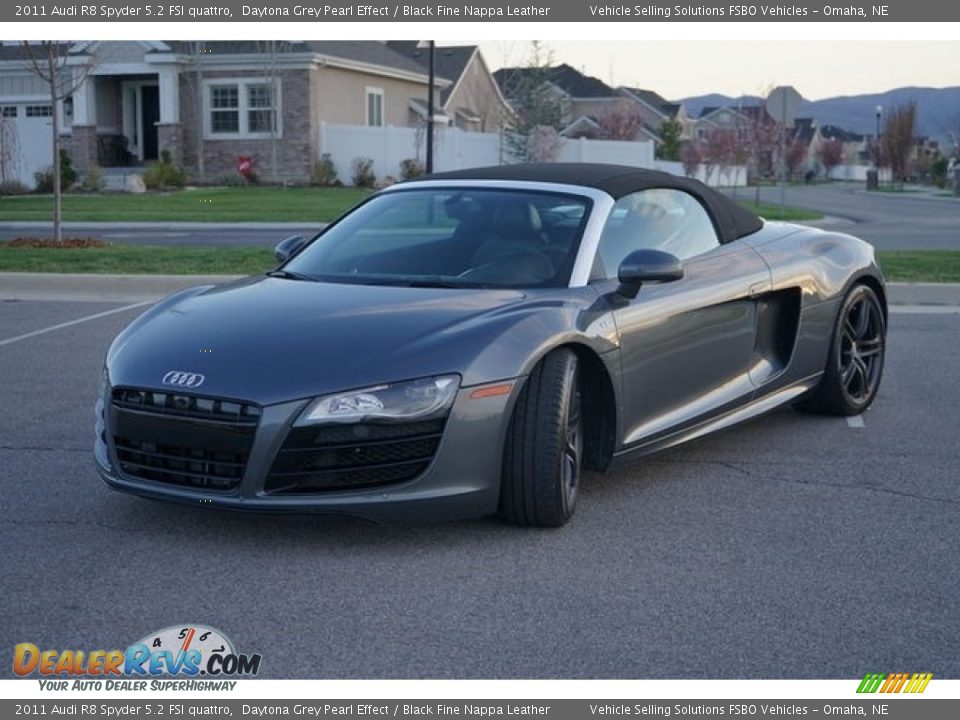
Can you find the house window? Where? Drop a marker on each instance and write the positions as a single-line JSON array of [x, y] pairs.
[[374, 107], [261, 112], [8, 111], [242, 109], [225, 109], [39, 111]]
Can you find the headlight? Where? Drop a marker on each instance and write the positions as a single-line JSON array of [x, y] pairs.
[[415, 399]]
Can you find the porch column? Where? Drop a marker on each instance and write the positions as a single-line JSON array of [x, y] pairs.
[[83, 130], [169, 131]]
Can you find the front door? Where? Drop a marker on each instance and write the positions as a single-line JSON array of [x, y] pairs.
[[686, 346], [150, 116]]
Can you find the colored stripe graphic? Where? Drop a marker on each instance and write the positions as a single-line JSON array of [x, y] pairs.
[[894, 682]]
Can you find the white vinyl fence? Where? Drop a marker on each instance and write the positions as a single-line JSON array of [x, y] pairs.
[[455, 149], [858, 173], [733, 176]]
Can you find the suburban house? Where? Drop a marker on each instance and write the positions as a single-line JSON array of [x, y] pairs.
[[589, 104], [655, 110], [472, 101], [209, 103]]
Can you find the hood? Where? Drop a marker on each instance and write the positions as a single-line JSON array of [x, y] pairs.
[[271, 340]]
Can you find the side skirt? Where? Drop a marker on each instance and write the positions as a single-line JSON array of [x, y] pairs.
[[753, 409]]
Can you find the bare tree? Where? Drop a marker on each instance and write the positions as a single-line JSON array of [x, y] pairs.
[[898, 138], [830, 154], [765, 139], [9, 150], [794, 157], [533, 100], [47, 60], [691, 155], [718, 151], [194, 77], [620, 124], [951, 128]]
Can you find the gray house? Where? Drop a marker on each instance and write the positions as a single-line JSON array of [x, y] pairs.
[[209, 103]]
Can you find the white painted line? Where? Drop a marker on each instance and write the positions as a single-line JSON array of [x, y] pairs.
[[60, 326], [925, 309], [855, 421]]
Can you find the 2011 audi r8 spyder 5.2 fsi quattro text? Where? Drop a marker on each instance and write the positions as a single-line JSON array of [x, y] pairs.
[[471, 341]]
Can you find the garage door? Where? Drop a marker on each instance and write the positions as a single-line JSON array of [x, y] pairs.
[[26, 139]]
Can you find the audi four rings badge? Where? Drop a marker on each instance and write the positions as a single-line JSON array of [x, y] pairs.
[[179, 378]]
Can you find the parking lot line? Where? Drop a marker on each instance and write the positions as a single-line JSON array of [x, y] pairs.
[[855, 421], [62, 325]]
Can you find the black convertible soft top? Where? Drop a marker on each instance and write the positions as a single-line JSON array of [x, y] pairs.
[[732, 220]]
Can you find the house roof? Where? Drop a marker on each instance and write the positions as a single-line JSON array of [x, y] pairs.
[[368, 52], [16, 51], [653, 100], [570, 80], [732, 220], [448, 61], [803, 130], [832, 132]]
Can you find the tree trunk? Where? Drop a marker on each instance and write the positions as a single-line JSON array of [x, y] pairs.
[[57, 189]]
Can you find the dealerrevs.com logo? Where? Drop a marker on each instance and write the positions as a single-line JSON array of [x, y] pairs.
[[183, 651]]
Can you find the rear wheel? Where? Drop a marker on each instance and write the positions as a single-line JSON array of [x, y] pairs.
[[855, 363], [544, 445]]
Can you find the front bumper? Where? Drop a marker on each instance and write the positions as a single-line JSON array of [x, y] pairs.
[[461, 481]]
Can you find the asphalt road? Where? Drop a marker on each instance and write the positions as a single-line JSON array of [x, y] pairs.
[[215, 235], [793, 546], [890, 221]]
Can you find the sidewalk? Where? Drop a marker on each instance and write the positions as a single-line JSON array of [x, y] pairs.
[[136, 288]]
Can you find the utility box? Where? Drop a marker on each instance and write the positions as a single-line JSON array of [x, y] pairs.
[[873, 179]]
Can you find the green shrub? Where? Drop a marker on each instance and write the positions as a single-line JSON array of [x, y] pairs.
[[164, 174], [13, 187], [93, 179], [938, 172], [43, 179], [324, 172], [68, 176], [363, 175], [229, 181], [411, 168]]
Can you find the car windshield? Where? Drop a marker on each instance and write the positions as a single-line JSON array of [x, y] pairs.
[[451, 237]]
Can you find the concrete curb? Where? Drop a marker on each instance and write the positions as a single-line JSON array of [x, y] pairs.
[[135, 288]]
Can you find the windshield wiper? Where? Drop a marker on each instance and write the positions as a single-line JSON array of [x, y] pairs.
[[289, 275]]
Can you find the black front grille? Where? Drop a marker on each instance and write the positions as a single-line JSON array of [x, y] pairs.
[[347, 457], [179, 439]]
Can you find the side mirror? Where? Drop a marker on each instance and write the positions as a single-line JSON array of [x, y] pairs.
[[647, 266], [286, 249]]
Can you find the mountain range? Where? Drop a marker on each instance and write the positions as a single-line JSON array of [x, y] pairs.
[[858, 112]]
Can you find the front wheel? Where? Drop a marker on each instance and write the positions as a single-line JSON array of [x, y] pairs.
[[544, 445], [855, 362]]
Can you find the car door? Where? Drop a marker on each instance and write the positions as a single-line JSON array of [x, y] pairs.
[[685, 346]]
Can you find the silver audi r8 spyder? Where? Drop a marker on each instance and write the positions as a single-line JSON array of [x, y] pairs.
[[470, 342]]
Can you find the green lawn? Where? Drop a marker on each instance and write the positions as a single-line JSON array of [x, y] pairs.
[[905, 266], [239, 204], [229, 204], [120, 259], [921, 265], [772, 211]]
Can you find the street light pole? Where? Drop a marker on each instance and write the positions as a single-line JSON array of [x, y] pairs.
[[430, 108], [877, 150]]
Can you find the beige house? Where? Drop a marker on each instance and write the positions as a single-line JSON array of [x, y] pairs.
[[209, 103], [472, 101]]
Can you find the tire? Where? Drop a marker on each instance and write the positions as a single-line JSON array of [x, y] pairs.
[[544, 446], [855, 362]]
